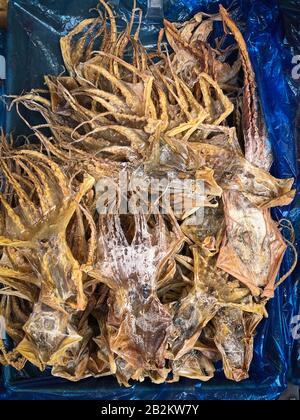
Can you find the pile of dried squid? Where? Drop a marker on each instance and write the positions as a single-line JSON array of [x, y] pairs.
[[141, 295]]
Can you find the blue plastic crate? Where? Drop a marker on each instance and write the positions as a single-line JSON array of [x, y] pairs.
[[33, 44]]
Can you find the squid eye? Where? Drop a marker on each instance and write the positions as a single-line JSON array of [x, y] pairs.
[[146, 291]]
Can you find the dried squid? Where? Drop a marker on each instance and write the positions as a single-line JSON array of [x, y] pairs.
[[181, 279]]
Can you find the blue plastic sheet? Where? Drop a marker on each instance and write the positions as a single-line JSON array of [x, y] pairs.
[[34, 31], [2, 116], [2, 75], [290, 12]]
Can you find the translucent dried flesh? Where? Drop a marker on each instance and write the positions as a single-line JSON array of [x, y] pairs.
[[234, 332], [257, 264], [145, 295]]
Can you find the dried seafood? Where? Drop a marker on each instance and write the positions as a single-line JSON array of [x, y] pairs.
[[157, 294]]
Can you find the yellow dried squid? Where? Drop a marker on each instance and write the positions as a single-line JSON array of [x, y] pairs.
[[160, 294]]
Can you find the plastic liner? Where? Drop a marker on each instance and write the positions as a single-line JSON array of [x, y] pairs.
[[290, 13], [34, 31], [2, 75], [2, 121]]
